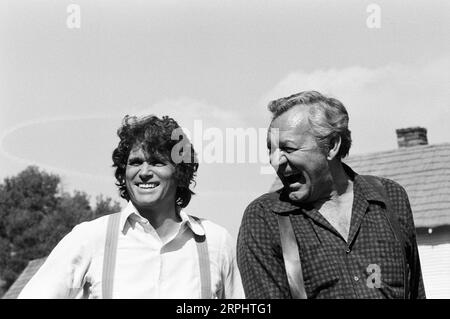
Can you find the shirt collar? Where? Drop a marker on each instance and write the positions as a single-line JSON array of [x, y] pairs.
[[126, 213], [131, 211], [281, 204]]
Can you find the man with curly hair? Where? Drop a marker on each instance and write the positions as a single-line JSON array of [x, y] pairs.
[[329, 232], [152, 249]]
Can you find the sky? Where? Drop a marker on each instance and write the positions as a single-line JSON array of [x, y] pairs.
[[213, 66]]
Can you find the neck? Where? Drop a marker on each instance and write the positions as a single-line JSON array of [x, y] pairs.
[[340, 184], [161, 217]]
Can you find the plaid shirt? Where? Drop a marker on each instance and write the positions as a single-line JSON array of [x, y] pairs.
[[332, 267]]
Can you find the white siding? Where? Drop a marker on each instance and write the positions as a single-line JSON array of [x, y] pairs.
[[435, 262]]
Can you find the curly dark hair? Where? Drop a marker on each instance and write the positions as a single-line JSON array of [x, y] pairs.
[[159, 139]]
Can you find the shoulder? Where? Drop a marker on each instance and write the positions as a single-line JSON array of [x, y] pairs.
[[94, 225], [260, 213], [399, 202], [220, 242], [214, 232], [91, 231], [265, 200], [391, 184], [262, 205], [259, 219], [395, 191]]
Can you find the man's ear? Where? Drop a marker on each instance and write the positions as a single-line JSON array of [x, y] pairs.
[[335, 145]]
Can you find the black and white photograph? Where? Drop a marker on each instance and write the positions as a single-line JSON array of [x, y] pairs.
[[233, 150]]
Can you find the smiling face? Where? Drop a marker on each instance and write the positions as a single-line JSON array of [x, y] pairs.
[[300, 164], [150, 181]]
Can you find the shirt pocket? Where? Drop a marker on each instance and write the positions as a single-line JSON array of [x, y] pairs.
[[388, 256]]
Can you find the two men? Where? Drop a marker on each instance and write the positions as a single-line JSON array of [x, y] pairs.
[[354, 235]]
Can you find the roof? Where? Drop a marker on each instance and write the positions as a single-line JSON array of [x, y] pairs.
[[424, 172], [15, 289]]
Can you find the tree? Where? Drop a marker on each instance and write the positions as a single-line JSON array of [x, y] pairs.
[[103, 206], [34, 216]]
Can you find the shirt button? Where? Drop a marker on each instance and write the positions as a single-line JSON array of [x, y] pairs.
[[348, 251], [356, 278]]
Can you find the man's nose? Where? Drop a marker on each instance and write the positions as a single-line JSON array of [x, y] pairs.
[[146, 171], [279, 160]]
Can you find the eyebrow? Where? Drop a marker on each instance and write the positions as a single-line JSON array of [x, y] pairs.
[[283, 143], [153, 158]]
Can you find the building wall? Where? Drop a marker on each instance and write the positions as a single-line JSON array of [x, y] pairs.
[[434, 252]]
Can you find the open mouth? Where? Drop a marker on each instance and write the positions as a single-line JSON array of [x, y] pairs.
[[148, 185], [294, 178]]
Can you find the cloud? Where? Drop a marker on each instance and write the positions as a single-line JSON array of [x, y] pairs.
[[82, 145], [186, 110], [380, 100], [79, 149], [62, 144]]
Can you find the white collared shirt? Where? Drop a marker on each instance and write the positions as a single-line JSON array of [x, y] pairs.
[[145, 267]]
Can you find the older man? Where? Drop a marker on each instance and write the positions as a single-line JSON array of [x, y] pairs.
[[329, 233]]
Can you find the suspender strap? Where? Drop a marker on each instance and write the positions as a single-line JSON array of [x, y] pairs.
[[291, 254], [204, 263], [395, 226], [291, 258], [109, 257]]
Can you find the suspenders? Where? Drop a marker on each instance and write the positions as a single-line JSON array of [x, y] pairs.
[[291, 258], [109, 256], [204, 263], [291, 255], [109, 259]]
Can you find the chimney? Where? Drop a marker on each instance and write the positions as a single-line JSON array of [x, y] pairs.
[[411, 136]]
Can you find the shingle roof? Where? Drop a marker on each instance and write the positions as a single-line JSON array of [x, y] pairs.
[[424, 171], [15, 289]]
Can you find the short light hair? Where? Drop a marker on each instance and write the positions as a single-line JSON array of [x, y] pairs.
[[327, 118]]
